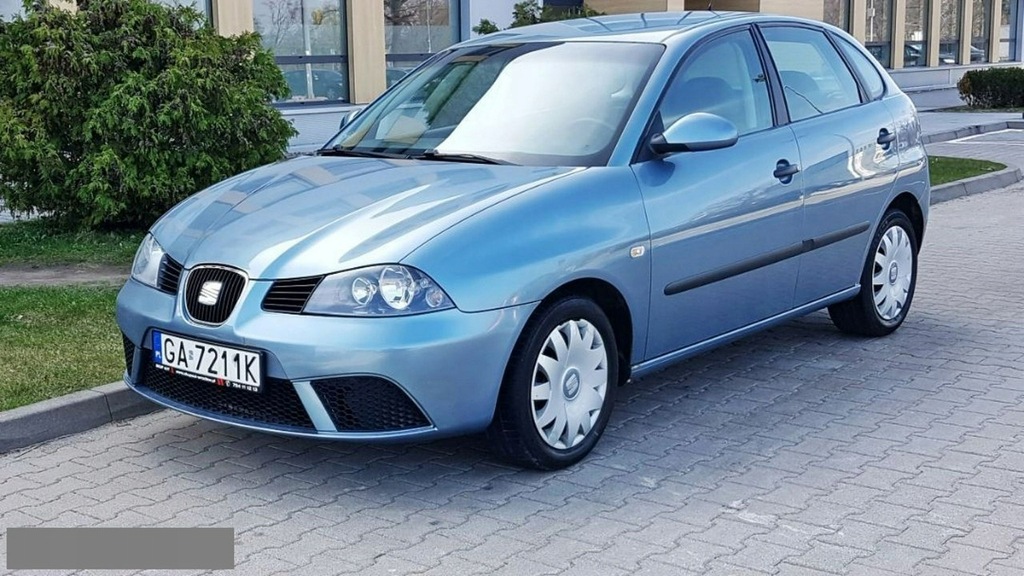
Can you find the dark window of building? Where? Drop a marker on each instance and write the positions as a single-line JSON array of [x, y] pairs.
[[981, 24], [1008, 30], [949, 32], [837, 13], [310, 44], [414, 29], [915, 45], [878, 30]]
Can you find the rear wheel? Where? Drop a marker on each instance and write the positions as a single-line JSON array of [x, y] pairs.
[[559, 387], [887, 282]]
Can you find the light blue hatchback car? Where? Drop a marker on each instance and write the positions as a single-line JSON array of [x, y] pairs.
[[530, 219]]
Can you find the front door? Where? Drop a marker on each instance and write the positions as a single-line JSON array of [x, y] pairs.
[[725, 224]]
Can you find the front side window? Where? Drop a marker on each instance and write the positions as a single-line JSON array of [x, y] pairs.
[[724, 77], [534, 103], [815, 79]]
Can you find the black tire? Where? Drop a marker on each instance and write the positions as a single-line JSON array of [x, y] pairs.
[[859, 315], [513, 434]]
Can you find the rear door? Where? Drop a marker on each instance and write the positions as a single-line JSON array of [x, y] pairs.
[[848, 155]]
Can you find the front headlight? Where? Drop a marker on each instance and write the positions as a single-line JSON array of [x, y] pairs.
[[146, 267], [388, 290]]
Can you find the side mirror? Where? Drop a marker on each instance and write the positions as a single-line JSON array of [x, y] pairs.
[[695, 132], [347, 118]]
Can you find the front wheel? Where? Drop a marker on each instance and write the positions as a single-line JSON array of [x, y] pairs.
[[887, 282], [559, 387]]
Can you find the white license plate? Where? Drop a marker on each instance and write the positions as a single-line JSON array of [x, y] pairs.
[[211, 363]]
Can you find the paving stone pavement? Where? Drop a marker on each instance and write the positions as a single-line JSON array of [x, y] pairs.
[[798, 451]]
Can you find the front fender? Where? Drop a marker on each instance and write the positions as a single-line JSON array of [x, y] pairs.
[[521, 250]]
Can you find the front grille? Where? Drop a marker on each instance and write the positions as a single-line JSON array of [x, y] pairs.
[[277, 404], [290, 296], [169, 276], [368, 404], [129, 353], [224, 300]]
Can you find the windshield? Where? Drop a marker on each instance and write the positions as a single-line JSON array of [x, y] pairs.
[[533, 103]]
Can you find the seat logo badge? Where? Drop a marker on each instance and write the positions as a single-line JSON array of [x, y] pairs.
[[209, 293]]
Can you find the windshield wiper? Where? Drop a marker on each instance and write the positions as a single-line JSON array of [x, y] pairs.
[[342, 151], [457, 157]]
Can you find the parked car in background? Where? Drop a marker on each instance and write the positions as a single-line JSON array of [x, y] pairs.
[[327, 85], [393, 75], [522, 225], [914, 53]]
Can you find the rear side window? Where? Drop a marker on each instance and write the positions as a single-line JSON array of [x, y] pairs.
[[865, 69], [814, 77]]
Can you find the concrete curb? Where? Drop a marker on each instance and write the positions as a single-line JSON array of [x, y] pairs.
[[971, 131], [976, 185], [75, 412]]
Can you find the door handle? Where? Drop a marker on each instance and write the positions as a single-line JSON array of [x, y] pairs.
[[885, 137], [785, 170]]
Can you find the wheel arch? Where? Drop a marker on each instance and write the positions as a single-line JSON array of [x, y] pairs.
[[612, 303], [908, 204]]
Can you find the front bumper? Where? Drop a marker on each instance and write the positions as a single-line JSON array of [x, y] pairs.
[[325, 376]]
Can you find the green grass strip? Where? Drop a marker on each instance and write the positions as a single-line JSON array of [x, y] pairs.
[[945, 169], [56, 340]]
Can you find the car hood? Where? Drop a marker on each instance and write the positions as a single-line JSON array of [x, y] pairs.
[[316, 215]]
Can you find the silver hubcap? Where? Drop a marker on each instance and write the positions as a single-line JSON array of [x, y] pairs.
[[570, 381], [893, 273]]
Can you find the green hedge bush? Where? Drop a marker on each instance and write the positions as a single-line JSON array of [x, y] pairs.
[[111, 114], [993, 88]]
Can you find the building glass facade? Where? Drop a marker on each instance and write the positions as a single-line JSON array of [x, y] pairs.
[[915, 34], [981, 26], [1007, 28], [837, 13], [949, 32], [878, 30], [202, 6], [342, 51], [309, 39], [414, 29], [9, 9]]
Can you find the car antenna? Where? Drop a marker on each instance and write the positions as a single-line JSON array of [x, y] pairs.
[[710, 2]]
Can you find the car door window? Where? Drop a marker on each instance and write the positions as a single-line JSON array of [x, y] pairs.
[[814, 77], [869, 75], [723, 77]]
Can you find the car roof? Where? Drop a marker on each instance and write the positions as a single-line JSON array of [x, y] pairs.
[[656, 27]]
